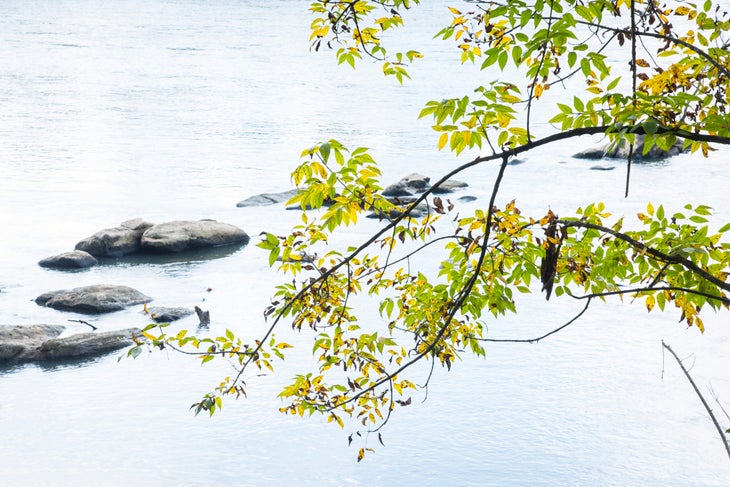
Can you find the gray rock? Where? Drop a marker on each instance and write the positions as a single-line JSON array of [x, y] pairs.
[[77, 259], [592, 153], [621, 151], [416, 181], [408, 186], [397, 189], [18, 342], [117, 241], [100, 298], [467, 198], [264, 199], [418, 212], [86, 344], [162, 314], [28, 343], [449, 186], [177, 236]]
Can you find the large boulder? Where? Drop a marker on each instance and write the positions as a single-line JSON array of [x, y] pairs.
[[264, 199], [77, 259], [117, 241], [26, 343], [101, 298], [86, 344], [18, 342], [177, 236]]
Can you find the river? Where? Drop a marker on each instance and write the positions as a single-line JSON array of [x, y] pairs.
[[111, 110]]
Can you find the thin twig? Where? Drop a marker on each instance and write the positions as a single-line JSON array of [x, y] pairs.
[[535, 340], [723, 436], [85, 323]]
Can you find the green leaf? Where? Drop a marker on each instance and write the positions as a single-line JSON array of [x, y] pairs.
[[324, 151]]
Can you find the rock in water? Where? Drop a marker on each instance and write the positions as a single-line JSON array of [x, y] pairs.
[[265, 199], [161, 314], [17, 342], [412, 184], [101, 298], [117, 241], [86, 344], [177, 236], [450, 186], [78, 259], [27, 343], [620, 150]]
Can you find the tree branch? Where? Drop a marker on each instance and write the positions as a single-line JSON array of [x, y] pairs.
[[675, 259], [723, 436]]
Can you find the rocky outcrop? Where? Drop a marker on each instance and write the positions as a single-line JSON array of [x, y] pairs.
[[117, 241], [102, 298], [265, 199], [28, 343], [77, 259], [162, 314], [621, 151], [177, 236]]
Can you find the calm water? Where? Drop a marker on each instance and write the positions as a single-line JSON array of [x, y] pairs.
[[111, 110]]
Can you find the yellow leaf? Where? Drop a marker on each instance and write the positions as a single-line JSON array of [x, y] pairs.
[[149, 336], [650, 302], [642, 62], [454, 11], [443, 140], [650, 208], [538, 90]]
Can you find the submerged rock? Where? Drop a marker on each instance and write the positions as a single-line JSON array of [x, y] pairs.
[[101, 298], [27, 343], [77, 259], [265, 199], [117, 241], [177, 236]]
